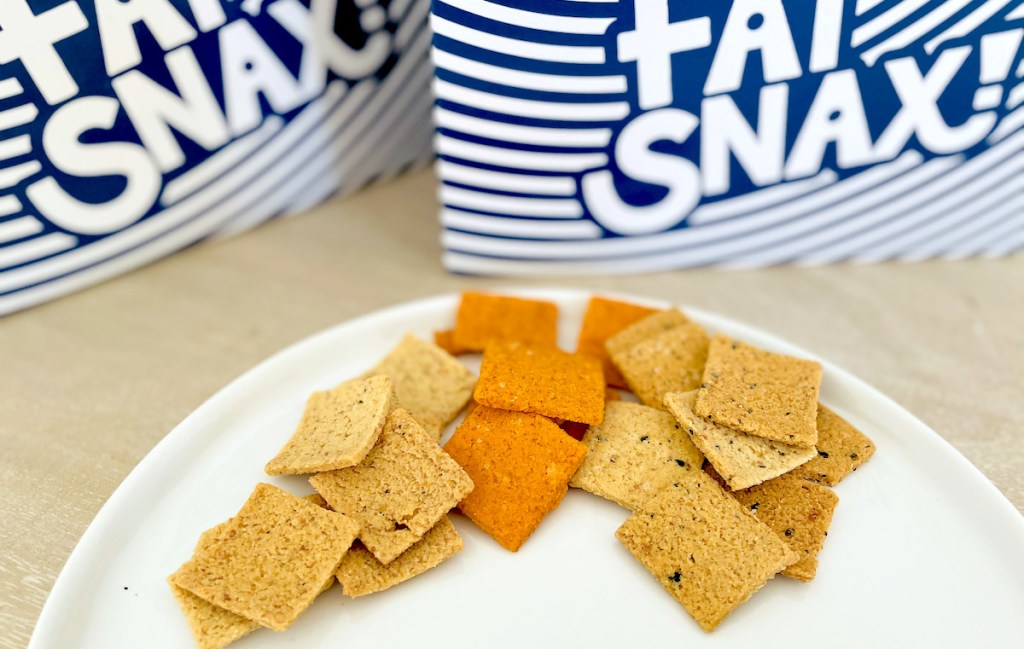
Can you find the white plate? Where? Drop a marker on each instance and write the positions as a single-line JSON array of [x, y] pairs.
[[923, 550]]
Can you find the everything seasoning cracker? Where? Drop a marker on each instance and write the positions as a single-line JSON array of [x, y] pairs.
[[841, 450], [799, 512], [520, 464], [483, 319], [399, 491], [603, 319], [643, 329], [634, 453], [271, 560], [704, 548], [742, 460], [542, 380], [760, 392]]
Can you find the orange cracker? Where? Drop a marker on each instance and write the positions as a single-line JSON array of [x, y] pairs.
[[605, 318], [542, 380], [482, 319], [443, 339], [520, 463]]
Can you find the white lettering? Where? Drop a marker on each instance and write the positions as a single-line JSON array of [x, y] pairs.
[[752, 26], [836, 115], [30, 38], [116, 20]]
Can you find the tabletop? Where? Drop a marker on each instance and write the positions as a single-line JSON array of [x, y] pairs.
[[91, 382]]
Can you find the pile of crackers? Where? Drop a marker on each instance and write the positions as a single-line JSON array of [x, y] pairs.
[[723, 462]]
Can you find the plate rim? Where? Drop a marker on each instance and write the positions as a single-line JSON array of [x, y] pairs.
[[60, 602]]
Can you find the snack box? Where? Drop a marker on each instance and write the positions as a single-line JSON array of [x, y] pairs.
[[637, 135]]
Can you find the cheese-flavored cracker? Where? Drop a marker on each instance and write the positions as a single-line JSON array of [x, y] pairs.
[[520, 463], [483, 319], [542, 380], [603, 319]]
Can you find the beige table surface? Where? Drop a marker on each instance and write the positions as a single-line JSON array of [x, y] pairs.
[[91, 382]]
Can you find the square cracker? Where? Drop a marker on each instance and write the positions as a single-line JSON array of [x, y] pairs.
[[269, 562], [643, 329], [799, 512], [541, 380], [399, 491], [605, 318], [443, 339], [671, 361], [520, 463], [483, 319], [212, 626], [742, 460], [841, 450], [634, 453], [361, 574], [338, 428], [430, 383], [760, 392], [703, 547]]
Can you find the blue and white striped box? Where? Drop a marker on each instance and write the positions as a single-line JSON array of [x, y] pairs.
[[582, 136], [133, 128]]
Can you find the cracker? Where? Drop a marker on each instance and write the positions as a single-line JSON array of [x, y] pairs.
[[520, 463], [361, 574], [444, 340], [760, 392], [603, 319], [841, 450], [542, 380], [643, 329], [704, 548], [338, 428], [742, 460], [268, 563], [671, 361], [212, 626], [634, 453], [799, 512], [429, 382], [483, 319], [399, 491]]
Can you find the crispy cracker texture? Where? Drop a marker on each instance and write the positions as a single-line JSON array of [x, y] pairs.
[[270, 561], [444, 340], [742, 460], [704, 548], [671, 361], [429, 382], [399, 491], [634, 453], [212, 626], [799, 512], [482, 319], [603, 319], [643, 329], [542, 380], [520, 463], [759, 392], [361, 574], [337, 429], [841, 450]]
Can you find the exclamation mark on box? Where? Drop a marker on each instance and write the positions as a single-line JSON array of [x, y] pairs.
[[998, 52]]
